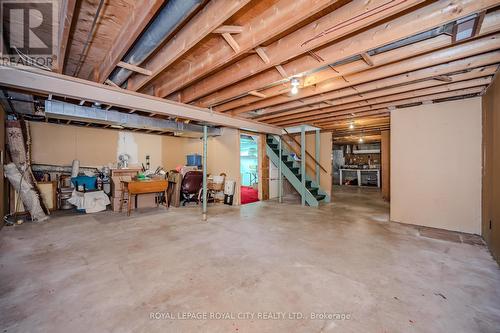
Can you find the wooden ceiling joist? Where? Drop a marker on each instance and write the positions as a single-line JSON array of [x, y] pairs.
[[428, 17], [65, 21], [39, 81], [362, 93], [341, 22], [202, 24], [357, 92], [143, 13], [382, 107], [279, 17], [349, 68], [459, 51], [369, 104]]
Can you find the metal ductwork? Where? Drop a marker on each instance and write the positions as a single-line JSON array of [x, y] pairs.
[[167, 20], [67, 111]]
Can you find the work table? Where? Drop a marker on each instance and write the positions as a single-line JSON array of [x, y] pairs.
[[358, 174]]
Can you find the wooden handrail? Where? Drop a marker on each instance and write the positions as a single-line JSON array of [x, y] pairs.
[[307, 153]]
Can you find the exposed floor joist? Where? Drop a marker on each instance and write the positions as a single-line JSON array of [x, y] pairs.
[[143, 13], [34, 80], [431, 16], [204, 23], [301, 41], [362, 94], [474, 47], [273, 21]]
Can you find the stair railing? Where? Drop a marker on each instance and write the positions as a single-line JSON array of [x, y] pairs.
[[296, 152]]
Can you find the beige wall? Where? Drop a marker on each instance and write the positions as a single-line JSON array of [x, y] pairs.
[[175, 150], [491, 168], [60, 145], [436, 165]]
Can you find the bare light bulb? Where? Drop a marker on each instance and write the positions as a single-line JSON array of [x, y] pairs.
[[294, 90], [360, 140], [351, 126]]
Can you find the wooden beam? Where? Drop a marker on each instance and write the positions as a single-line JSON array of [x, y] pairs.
[[345, 20], [65, 20], [34, 80], [368, 59], [458, 51], [230, 29], [281, 70], [230, 40], [367, 91], [143, 13], [444, 78], [134, 68], [279, 17], [213, 14], [431, 16], [261, 52], [256, 94]]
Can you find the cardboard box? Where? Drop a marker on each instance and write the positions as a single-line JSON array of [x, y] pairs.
[[143, 201], [116, 185]]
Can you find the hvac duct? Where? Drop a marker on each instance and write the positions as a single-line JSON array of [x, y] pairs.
[[67, 111], [167, 20]]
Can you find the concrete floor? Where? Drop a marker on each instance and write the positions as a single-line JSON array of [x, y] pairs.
[[148, 273]]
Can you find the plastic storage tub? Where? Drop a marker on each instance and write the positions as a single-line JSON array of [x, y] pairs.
[[193, 160], [88, 182]]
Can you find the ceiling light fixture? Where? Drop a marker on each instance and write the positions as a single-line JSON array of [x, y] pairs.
[[351, 125], [361, 140], [295, 85]]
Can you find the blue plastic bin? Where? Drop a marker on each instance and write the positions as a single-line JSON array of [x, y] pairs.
[[193, 160], [89, 182]]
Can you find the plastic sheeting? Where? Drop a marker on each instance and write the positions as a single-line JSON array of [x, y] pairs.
[[92, 202]]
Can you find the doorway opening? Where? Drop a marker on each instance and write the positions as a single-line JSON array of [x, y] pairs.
[[249, 162]]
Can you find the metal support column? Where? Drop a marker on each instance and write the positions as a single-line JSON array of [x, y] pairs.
[[204, 173], [303, 162], [316, 153], [280, 172]]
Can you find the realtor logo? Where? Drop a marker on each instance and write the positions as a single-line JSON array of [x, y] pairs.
[[29, 29]]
